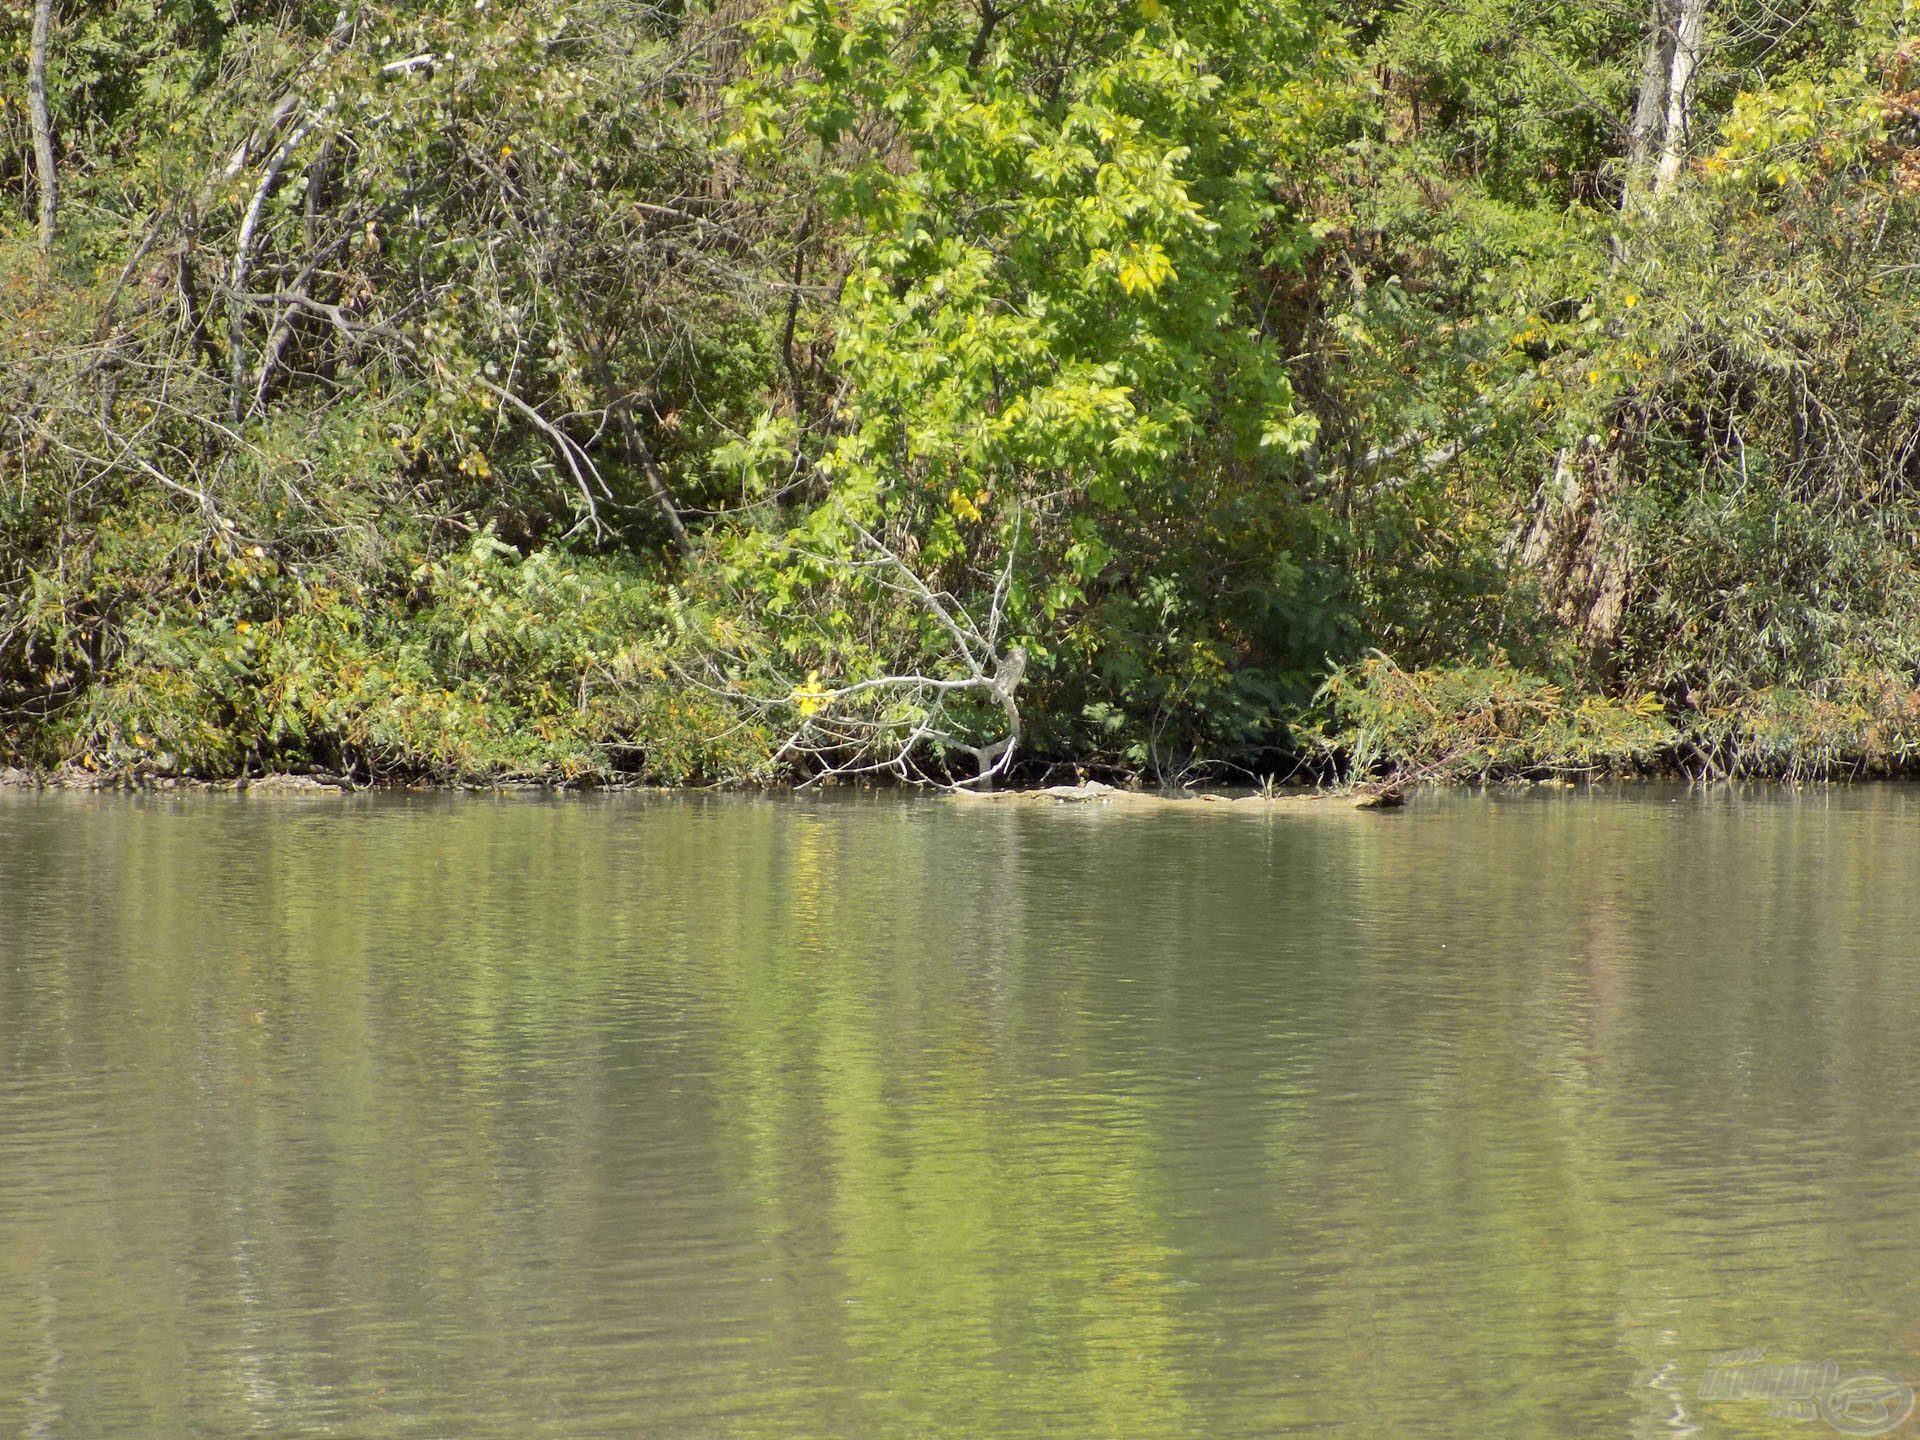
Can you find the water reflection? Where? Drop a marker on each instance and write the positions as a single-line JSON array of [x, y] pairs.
[[690, 1118]]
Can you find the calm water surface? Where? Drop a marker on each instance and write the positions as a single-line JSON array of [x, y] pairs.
[[1499, 1116]]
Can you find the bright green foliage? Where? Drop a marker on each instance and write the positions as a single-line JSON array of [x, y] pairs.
[[1524, 100], [1066, 233]]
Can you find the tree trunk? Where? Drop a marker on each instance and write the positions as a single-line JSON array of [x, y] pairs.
[[1688, 37], [42, 120], [1651, 108]]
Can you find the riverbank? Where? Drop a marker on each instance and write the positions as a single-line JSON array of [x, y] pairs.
[[70, 778], [1093, 793], [292, 720]]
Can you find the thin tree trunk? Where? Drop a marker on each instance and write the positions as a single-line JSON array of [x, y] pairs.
[[243, 257], [1648, 113], [42, 120], [1689, 35]]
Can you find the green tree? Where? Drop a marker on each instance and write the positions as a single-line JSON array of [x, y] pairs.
[[1068, 236]]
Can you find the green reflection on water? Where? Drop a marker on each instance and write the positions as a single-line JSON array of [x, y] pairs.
[[682, 1118]]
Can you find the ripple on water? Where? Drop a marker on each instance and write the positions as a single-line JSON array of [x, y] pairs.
[[415, 1118]]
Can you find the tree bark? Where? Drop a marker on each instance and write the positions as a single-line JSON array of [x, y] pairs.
[[1688, 38], [44, 177], [982, 37], [1652, 105]]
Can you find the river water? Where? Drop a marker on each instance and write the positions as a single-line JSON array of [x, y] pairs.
[[1501, 1115]]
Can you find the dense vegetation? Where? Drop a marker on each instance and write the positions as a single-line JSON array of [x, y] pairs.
[[1177, 388]]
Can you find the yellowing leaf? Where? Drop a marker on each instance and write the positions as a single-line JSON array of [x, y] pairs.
[[809, 698], [1144, 268]]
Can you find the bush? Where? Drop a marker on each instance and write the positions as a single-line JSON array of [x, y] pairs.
[[1482, 721]]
